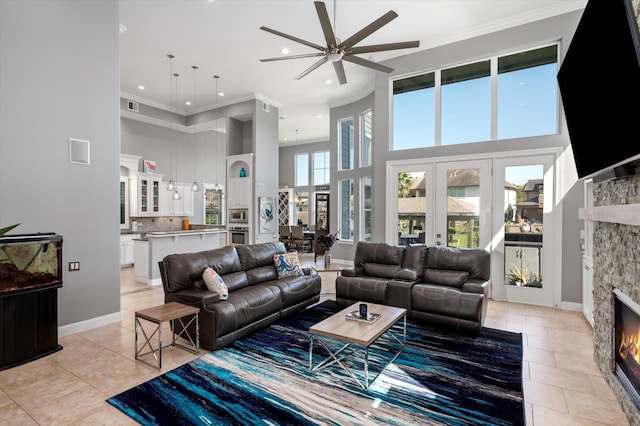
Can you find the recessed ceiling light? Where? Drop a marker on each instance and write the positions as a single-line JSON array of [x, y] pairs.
[[221, 94], [188, 103], [285, 51], [328, 81], [318, 116], [141, 87]]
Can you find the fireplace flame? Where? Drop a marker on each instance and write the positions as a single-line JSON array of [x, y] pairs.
[[630, 347]]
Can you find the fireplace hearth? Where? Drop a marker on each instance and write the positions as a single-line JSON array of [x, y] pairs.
[[627, 344]]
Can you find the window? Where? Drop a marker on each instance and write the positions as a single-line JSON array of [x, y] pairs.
[[321, 168], [466, 104], [365, 139], [302, 169], [366, 219], [521, 88], [414, 112], [345, 209], [345, 138], [527, 93]]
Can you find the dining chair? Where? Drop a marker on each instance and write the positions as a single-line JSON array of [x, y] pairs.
[[285, 235]]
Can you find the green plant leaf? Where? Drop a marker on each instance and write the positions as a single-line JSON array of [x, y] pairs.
[[7, 229]]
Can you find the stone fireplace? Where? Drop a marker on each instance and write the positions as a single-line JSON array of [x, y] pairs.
[[616, 267]]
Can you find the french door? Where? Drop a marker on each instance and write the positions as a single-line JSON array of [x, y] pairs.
[[504, 205], [527, 241]]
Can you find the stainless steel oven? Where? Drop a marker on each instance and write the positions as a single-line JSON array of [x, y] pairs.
[[238, 235], [238, 216]]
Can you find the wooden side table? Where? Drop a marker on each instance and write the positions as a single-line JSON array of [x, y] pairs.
[[172, 312]]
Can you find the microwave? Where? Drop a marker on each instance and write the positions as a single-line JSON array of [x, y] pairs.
[[238, 216]]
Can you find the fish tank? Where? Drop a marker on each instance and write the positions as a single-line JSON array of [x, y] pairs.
[[29, 262]]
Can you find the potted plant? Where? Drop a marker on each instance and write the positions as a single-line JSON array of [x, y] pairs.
[[327, 242], [518, 276]]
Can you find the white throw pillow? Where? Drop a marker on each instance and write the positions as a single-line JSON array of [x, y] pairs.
[[214, 282]]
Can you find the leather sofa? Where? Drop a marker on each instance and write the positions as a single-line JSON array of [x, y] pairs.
[[257, 297], [438, 284]]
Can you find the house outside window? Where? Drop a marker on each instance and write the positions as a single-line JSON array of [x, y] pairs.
[[366, 220], [345, 209], [365, 138], [345, 143]]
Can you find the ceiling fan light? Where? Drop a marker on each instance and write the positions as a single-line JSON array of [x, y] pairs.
[[335, 56]]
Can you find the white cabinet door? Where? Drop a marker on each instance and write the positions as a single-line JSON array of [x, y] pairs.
[[145, 194], [587, 288], [126, 249], [182, 207], [238, 195], [188, 201]]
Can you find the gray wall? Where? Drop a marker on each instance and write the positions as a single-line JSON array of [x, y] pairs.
[[59, 78], [266, 164]]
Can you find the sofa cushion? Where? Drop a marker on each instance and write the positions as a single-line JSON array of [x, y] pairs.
[[368, 289], [287, 264], [215, 283], [445, 277], [381, 270], [473, 260], [245, 306]]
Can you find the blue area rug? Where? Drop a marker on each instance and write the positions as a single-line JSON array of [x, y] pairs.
[[442, 376]]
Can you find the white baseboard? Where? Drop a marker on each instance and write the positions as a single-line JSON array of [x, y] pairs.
[[77, 327]]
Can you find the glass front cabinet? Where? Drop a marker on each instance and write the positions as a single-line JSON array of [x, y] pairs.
[[145, 194]]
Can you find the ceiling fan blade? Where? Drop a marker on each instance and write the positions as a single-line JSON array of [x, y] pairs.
[[342, 77], [325, 23], [367, 63], [366, 31], [382, 47], [304, 55], [311, 68], [296, 39]]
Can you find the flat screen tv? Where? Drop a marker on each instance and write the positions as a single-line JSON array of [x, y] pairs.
[[599, 82]]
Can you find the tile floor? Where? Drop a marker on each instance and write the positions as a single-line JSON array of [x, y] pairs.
[[562, 385]]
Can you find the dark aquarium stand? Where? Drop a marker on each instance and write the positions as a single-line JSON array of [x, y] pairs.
[[30, 275]]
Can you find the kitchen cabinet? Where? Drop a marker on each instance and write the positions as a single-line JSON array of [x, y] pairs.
[[145, 194], [126, 248], [239, 177], [587, 288], [239, 193], [182, 207]]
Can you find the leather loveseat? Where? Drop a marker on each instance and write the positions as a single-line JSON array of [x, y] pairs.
[[439, 284], [256, 296]]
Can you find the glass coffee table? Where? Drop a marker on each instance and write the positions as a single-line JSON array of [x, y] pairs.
[[346, 338]]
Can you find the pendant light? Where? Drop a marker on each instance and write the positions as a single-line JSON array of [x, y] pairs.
[[172, 185], [195, 187], [176, 194]]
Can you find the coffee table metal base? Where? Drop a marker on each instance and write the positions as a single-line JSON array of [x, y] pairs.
[[347, 349]]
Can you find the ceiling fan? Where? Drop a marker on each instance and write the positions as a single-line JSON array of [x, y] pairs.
[[336, 51]]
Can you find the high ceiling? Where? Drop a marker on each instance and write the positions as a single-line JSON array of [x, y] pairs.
[[223, 37]]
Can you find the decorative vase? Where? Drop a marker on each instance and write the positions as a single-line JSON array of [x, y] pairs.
[[327, 258], [243, 172]]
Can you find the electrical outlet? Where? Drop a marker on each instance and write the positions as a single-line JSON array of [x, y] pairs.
[[74, 266]]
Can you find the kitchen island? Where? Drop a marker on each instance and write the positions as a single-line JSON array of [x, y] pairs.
[[152, 247]]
